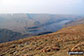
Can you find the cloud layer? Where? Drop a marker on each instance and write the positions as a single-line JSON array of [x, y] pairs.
[[42, 6]]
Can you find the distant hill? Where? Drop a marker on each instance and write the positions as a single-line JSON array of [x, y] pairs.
[[17, 26], [54, 44], [35, 23]]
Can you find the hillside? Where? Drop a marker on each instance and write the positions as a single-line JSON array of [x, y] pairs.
[[9, 35], [54, 44]]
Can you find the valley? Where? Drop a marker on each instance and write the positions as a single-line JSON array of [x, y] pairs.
[[26, 25]]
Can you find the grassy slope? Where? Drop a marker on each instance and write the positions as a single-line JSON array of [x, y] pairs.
[[54, 44]]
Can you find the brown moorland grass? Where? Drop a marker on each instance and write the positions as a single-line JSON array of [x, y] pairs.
[[54, 44]]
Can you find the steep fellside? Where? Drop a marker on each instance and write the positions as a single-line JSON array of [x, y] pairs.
[[54, 44], [9, 35]]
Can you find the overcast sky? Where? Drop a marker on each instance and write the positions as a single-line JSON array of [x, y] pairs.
[[42, 6]]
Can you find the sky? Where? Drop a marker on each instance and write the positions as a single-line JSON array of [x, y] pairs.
[[42, 6]]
